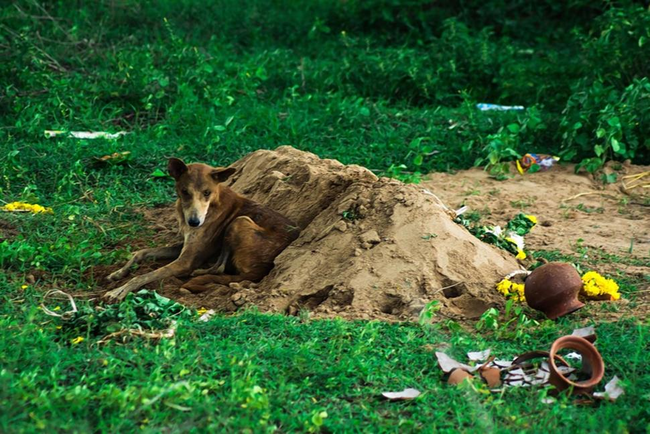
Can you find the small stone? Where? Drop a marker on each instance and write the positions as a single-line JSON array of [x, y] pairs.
[[30, 279], [370, 237], [238, 299], [341, 225], [357, 252]]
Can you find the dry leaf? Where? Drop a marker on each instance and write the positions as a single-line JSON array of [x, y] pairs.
[[403, 395]]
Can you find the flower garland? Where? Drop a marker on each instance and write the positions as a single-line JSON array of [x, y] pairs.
[[594, 287], [511, 238], [26, 207]]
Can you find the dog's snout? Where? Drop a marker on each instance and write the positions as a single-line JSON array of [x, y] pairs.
[[193, 221]]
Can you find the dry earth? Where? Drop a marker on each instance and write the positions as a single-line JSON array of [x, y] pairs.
[[376, 248]]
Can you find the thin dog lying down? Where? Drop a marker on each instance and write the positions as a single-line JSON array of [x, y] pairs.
[[215, 222]]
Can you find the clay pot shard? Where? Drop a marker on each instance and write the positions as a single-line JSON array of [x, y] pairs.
[[458, 375], [592, 364], [553, 289], [491, 376]]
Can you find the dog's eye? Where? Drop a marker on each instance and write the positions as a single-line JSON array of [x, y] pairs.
[[185, 192], [206, 193]]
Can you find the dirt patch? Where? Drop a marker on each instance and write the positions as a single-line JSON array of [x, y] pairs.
[[369, 248], [577, 212], [7, 230]]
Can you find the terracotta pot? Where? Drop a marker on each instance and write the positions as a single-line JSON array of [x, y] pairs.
[[592, 364], [553, 289]]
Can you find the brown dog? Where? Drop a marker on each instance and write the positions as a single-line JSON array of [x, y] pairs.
[[216, 222]]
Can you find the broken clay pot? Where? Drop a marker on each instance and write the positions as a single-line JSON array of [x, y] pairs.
[[553, 289], [592, 364]]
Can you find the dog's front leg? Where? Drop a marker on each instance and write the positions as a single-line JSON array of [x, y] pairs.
[[180, 267], [169, 252]]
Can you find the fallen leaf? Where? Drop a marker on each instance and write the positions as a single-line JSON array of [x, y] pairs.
[[612, 390], [478, 356], [401, 396], [459, 375]]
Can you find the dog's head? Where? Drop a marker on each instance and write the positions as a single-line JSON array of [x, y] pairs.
[[197, 186]]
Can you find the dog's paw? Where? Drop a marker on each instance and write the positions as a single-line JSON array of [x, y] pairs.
[[116, 295], [201, 272]]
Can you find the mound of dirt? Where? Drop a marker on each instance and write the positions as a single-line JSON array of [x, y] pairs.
[[369, 247]]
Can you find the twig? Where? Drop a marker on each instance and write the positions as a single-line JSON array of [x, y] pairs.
[[589, 194], [64, 315], [447, 287]]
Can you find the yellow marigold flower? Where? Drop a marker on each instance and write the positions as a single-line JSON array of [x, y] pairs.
[[77, 340], [597, 286], [24, 287], [511, 290], [26, 207], [532, 218], [201, 311], [521, 254]]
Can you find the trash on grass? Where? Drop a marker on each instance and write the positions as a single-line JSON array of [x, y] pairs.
[[90, 135], [536, 163], [459, 375], [403, 395], [205, 316], [592, 365], [588, 333], [612, 390], [553, 369], [478, 356], [114, 158], [447, 364], [492, 376], [487, 107]]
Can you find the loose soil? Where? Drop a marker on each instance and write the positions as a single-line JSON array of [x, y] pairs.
[[375, 248], [369, 247], [578, 214]]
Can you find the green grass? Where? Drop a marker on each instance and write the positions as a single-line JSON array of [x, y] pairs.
[[386, 84], [264, 372]]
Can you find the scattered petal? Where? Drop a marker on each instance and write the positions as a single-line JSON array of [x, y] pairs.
[[549, 400], [403, 395]]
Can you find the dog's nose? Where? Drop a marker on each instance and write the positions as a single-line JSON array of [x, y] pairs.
[[193, 221]]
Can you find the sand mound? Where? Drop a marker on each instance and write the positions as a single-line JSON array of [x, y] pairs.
[[369, 248]]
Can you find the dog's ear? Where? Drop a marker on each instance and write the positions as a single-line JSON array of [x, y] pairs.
[[222, 173], [176, 168]]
